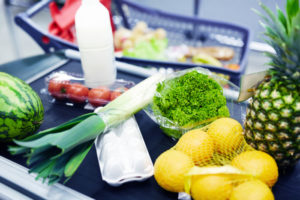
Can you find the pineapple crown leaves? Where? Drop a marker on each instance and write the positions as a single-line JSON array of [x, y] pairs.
[[283, 34]]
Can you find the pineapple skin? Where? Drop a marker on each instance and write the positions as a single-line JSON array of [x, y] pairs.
[[273, 121]]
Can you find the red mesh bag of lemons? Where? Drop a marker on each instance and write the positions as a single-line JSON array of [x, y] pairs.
[[216, 163]]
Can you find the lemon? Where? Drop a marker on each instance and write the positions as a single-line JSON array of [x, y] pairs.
[[227, 135], [252, 190], [198, 145], [211, 187], [258, 163], [170, 168]]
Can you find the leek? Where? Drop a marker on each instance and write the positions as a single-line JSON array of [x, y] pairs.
[[57, 152]]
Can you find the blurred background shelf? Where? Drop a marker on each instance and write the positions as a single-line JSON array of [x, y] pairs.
[[15, 43]]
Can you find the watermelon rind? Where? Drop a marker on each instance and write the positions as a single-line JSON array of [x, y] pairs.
[[21, 109]]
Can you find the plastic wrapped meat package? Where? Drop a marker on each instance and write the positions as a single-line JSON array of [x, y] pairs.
[[123, 155]]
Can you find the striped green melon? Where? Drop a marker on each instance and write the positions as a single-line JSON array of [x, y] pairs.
[[21, 109]]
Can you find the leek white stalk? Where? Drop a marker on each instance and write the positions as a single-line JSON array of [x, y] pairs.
[[130, 102], [57, 152]]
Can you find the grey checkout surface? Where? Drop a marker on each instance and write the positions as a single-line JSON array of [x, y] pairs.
[[87, 182]]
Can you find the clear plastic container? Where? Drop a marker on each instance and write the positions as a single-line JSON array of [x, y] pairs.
[[230, 91], [123, 155], [69, 88]]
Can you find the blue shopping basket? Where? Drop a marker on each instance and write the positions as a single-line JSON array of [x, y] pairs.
[[180, 29]]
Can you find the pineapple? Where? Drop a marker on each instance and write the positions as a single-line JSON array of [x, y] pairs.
[[273, 117]]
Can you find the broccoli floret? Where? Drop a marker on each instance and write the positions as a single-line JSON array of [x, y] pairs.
[[190, 99]]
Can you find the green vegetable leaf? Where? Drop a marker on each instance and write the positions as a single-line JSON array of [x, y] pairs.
[[275, 24], [59, 151], [153, 49], [17, 150], [261, 15], [87, 130], [76, 160], [292, 7], [282, 18], [188, 101], [56, 154], [62, 127]]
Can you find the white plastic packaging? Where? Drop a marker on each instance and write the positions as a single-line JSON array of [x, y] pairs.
[[123, 155], [95, 42]]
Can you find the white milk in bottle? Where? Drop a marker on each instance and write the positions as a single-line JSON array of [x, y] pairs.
[[95, 42]]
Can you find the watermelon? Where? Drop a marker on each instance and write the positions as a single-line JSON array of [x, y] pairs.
[[21, 109]]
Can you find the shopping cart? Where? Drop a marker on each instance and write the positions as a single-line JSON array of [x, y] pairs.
[[180, 30]]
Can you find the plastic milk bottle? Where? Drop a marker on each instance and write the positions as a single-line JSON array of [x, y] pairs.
[[95, 41]]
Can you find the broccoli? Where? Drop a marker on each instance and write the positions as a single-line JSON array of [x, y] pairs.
[[190, 99]]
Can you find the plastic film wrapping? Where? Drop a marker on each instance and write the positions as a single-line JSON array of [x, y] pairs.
[[227, 91], [122, 154]]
